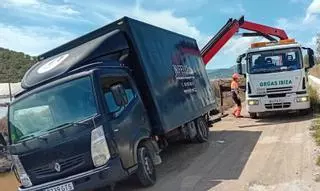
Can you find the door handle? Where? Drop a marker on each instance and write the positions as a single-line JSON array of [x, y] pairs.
[[116, 130]]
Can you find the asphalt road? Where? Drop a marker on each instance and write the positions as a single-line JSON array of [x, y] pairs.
[[275, 153]]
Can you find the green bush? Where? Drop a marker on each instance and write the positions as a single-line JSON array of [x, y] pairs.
[[314, 99], [315, 128]]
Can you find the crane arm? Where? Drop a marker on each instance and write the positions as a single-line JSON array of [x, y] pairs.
[[263, 29], [232, 27], [220, 39]]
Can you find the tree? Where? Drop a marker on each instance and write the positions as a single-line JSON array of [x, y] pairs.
[[13, 65], [317, 54]]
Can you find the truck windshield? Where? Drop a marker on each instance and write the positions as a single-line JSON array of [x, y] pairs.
[[49, 109], [274, 61]]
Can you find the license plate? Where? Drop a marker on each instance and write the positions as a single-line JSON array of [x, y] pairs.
[[63, 187], [276, 101]]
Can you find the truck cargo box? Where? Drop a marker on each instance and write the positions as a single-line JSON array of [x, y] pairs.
[[168, 70]]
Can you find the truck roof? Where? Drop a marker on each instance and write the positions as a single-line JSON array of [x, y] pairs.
[[58, 65], [274, 47], [82, 51], [121, 24]]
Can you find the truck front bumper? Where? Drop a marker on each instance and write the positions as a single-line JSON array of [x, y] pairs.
[[288, 103], [89, 180]]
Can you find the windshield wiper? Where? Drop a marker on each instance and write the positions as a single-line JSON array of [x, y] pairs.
[[60, 128], [47, 132], [71, 123], [263, 71], [31, 136]]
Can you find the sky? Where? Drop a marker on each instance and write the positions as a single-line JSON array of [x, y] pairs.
[[36, 26]]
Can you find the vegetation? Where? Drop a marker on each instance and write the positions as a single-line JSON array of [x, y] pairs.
[[13, 65], [314, 99], [315, 71], [318, 162], [315, 127], [223, 73]]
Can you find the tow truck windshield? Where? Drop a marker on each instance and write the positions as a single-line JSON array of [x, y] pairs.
[[47, 110], [274, 61]]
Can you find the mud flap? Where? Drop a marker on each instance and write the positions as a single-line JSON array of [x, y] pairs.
[[214, 112]]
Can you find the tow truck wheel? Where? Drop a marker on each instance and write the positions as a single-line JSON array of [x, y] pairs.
[[304, 111], [146, 172], [253, 115], [202, 130]]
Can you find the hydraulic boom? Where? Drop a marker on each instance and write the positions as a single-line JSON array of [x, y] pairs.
[[232, 27]]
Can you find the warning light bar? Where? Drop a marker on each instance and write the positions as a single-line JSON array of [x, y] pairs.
[[281, 42]]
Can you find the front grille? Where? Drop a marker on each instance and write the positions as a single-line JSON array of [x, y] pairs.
[[281, 89], [277, 95], [65, 164], [278, 105]]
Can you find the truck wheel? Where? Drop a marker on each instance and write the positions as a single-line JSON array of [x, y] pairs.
[[146, 172], [304, 111], [202, 130], [106, 188], [253, 115]]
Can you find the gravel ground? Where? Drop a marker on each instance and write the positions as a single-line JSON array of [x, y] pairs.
[[275, 153]]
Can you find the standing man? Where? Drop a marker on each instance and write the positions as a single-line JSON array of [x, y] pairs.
[[235, 95]]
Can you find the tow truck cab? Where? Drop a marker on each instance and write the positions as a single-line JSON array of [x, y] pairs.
[[276, 77], [99, 108]]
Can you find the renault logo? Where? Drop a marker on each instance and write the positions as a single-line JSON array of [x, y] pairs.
[[57, 167]]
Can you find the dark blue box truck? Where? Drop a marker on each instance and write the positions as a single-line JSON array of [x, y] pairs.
[[101, 107]]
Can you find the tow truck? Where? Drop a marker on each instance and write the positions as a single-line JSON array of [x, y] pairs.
[[275, 71]]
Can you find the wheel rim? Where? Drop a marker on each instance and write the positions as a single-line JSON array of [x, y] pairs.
[[148, 165]]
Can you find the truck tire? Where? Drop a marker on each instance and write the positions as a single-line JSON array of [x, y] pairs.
[[202, 130], [146, 172], [107, 188], [253, 115], [304, 111]]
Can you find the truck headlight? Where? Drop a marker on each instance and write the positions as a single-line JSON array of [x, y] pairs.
[[302, 99], [20, 172], [99, 148], [253, 102]]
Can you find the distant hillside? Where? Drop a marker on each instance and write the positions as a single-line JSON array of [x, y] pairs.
[[223, 72], [13, 65], [220, 73]]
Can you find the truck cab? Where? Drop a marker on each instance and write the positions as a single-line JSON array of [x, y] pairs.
[[276, 77], [79, 129]]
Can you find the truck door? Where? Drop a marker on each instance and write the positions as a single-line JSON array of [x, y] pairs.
[[126, 122]]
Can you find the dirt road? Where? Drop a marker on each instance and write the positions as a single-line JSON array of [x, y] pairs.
[[274, 153]]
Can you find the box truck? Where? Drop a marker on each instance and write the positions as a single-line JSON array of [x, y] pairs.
[[101, 107]]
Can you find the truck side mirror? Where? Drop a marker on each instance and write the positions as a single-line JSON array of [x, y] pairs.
[[239, 69], [119, 94], [311, 57], [239, 64]]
